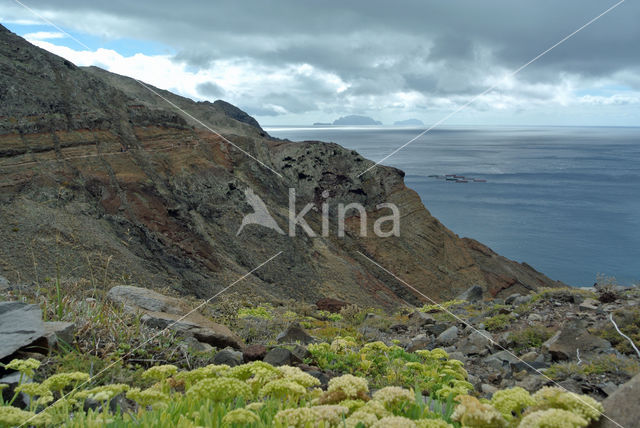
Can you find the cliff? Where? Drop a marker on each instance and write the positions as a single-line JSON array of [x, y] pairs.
[[102, 180]]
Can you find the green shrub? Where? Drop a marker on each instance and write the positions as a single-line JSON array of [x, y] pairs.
[[530, 337], [498, 322]]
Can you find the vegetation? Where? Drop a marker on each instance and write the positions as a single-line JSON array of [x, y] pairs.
[[260, 395], [529, 337]]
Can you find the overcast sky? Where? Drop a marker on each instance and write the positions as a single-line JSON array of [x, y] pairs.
[[302, 61]]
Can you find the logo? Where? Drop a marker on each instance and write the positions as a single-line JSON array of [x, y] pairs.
[[261, 216]]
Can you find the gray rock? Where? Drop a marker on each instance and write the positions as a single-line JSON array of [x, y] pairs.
[[278, 357], [4, 282], [608, 388], [500, 360], [21, 327], [529, 366], [60, 332], [13, 380], [299, 353], [488, 389], [143, 298], [421, 318], [478, 342], [228, 356], [564, 344], [532, 382], [534, 318], [621, 406], [589, 305], [448, 337], [436, 329], [370, 333], [472, 294], [521, 300], [160, 311], [455, 355], [509, 300], [419, 342], [294, 334]]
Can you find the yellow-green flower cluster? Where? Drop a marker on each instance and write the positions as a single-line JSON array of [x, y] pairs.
[[220, 389], [394, 422], [60, 381], [12, 416], [148, 397], [349, 385], [512, 402], [193, 376], [552, 418], [283, 389], [242, 417], [296, 418], [160, 372], [472, 413], [26, 367], [394, 396], [556, 398]]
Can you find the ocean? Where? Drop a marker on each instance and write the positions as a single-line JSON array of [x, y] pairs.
[[565, 200]]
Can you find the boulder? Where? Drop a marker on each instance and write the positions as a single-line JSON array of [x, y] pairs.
[[300, 353], [532, 382], [472, 294], [21, 328], [621, 406], [589, 305], [160, 311], [59, 332], [572, 337], [478, 342], [228, 356], [331, 305], [254, 353], [509, 300], [12, 380], [421, 319], [501, 359], [294, 334], [419, 342], [278, 357], [448, 337], [521, 300], [436, 329]]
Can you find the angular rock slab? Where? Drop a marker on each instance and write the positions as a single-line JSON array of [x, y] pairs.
[[162, 311], [21, 326], [572, 337], [622, 406]]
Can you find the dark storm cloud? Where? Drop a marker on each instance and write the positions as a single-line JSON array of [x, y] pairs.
[[438, 48], [210, 89]]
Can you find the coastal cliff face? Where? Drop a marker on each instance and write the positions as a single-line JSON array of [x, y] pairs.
[[101, 179]]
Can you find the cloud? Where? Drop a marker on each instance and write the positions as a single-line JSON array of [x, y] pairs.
[[44, 35], [319, 60], [210, 89]]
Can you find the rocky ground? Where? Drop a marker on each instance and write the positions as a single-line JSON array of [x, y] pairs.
[[562, 337]]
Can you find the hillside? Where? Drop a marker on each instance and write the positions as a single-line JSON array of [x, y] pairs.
[[102, 179]]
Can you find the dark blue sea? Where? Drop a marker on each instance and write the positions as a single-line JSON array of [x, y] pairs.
[[565, 200]]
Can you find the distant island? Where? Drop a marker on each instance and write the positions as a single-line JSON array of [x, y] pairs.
[[409, 122], [321, 123], [356, 120]]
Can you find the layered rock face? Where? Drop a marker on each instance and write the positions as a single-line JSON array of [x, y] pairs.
[[100, 178]]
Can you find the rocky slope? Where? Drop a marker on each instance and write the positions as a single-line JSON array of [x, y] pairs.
[[102, 180]]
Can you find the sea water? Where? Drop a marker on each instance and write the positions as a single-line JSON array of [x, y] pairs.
[[565, 200]]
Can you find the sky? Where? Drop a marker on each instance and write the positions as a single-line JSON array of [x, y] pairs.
[[295, 62]]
